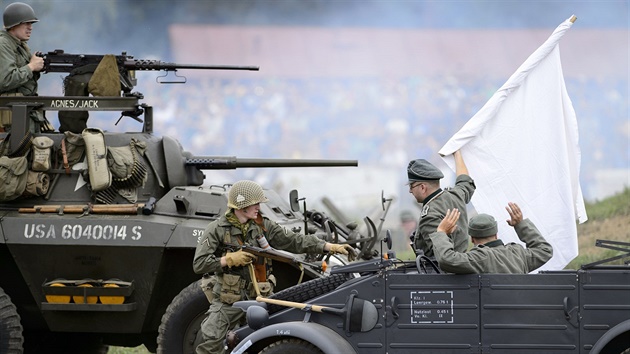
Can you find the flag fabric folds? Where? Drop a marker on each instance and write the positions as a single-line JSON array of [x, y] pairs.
[[522, 147]]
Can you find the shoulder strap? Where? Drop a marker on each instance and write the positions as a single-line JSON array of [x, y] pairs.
[[227, 237]]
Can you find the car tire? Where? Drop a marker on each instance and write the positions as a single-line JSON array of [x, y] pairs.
[[291, 346], [308, 290], [182, 321], [11, 331]]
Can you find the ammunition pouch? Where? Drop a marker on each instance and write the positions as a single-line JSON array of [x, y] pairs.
[[265, 287], [6, 114], [74, 147], [13, 177], [37, 184], [96, 151], [42, 146], [231, 289], [207, 285]]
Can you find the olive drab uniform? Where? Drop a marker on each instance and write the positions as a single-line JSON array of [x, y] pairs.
[[234, 284], [16, 79], [434, 209], [494, 256]]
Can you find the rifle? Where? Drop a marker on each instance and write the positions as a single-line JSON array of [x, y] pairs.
[[272, 254], [59, 61]]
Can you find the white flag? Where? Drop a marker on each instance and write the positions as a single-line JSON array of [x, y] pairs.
[[522, 147]]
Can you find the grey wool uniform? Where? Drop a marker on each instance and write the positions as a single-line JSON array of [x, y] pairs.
[[221, 315], [434, 209], [494, 256]]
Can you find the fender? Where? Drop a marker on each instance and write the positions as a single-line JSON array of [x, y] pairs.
[[324, 338], [609, 336]]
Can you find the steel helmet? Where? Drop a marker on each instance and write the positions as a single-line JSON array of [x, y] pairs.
[[245, 193], [16, 13]]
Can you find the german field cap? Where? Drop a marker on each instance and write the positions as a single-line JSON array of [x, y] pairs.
[[423, 170], [482, 225]]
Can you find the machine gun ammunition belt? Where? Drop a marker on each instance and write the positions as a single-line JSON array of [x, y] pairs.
[[107, 196], [23, 147], [138, 172], [135, 179]]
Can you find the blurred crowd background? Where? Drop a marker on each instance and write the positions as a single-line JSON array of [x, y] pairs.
[[380, 120]]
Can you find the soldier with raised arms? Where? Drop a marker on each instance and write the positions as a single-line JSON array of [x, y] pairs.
[[243, 224], [490, 254], [424, 185]]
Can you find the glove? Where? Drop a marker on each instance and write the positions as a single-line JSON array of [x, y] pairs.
[[238, 259], [343, 249]]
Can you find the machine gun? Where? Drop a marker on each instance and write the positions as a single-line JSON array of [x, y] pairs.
[[60, 61], [82, 68]]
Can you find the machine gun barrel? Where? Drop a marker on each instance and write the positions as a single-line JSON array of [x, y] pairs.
[[134, 64], [60, 61], [232, 162]]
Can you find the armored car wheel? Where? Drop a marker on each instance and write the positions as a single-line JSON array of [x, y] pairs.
[[291, 346], [11, 337], [182, 321], [308, 290]]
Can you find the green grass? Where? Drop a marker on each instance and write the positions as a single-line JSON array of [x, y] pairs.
[[615, 207], [618, 204], [123, 350]]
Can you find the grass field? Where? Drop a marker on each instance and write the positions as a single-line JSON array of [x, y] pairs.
[[608, 219]]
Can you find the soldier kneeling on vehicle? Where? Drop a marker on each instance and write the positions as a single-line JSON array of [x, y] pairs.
[[490, 254]]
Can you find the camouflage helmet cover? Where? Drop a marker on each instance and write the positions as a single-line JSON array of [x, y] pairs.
[[245, 193], [17, 13]]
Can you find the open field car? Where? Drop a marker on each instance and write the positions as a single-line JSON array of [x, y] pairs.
[[411, 307]]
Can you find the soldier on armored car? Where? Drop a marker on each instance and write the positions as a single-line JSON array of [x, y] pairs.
[[19, 68]]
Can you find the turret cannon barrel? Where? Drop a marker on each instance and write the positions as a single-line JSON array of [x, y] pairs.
[[232, 162]]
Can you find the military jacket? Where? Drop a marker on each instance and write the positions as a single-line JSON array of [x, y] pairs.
[[15, 76], [495, 257], [434, 210], [211, 246]]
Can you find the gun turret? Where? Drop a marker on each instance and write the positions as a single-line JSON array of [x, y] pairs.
[[232, 162], [193, 165]]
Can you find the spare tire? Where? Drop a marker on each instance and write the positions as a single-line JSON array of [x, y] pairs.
[[308, 290]]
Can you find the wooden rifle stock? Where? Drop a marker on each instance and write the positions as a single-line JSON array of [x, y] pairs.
[[264, 252]]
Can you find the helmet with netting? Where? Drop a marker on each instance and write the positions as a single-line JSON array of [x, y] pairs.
[[16, 13], [245, 193]]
